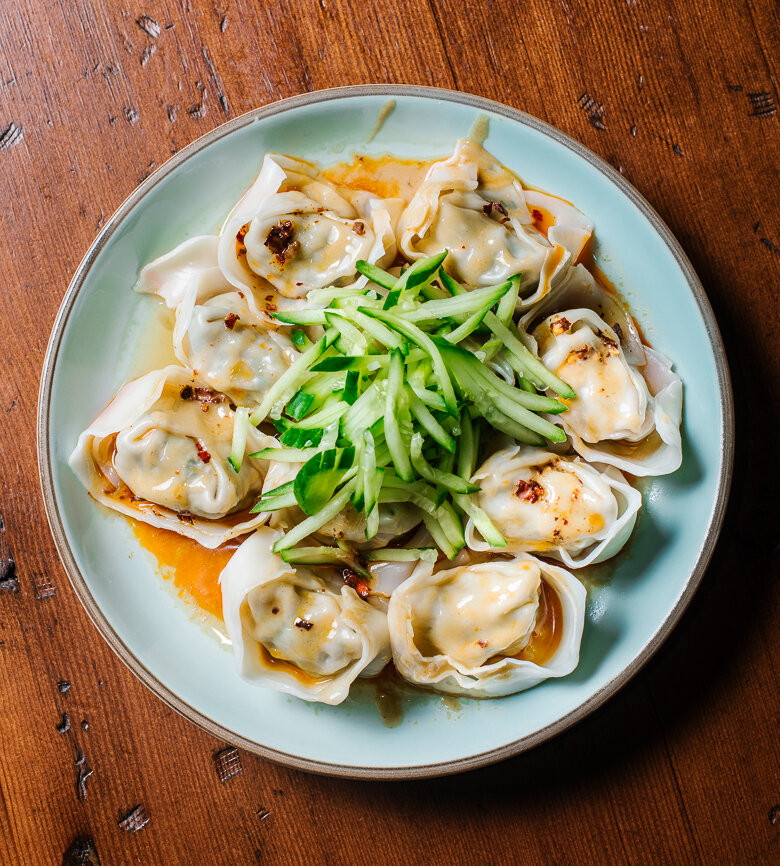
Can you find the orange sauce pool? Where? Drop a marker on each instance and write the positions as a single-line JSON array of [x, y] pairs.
[[385, 176], [193, 568]]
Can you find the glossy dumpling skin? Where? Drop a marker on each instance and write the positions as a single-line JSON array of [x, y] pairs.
[[233, 350], [294, 632], [226, 335], [155, 455], [294, 231], [461, 630], [556, 506], [623, 415], [472, 206]]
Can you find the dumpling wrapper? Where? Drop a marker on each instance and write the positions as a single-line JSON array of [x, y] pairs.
[[474, 207], [295, 231], [458, 630], [317, 643], [578, 288], [625, 416], [556, 506], [145, 456]]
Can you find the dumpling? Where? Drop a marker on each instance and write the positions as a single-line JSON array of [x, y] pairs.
[[557, 506], [226, 337], [158, 453], [233, 350], [487, 629], [395, 519], [623, 415], [294, 631], [297, 232], [474, 207], [577, 288]]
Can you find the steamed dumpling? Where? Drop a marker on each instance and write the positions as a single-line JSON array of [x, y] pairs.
[[233, 350], [297, 232], [158, 453], [293, 630], [487, 629], [226, 337], [615, 418], [472, 206], [554, 505]]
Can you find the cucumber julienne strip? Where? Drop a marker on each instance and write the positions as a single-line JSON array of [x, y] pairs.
[[507, 304], [451, 285], [421, 271], [314, 555], [280, 497], [441, 479], [300, 340], [313, 523], [302, 437], [420, 338], [468, 446], [482, 522], [460, 306], [293, 377], [299, 405], [240, 430], [402, 554], [468, 327], [373, 328], [318, 479], [301, 317], [535, 368], [286, 455], [399, 451], [375, 274], [428, 422], [446, 529], [487, 390], [351, 340]]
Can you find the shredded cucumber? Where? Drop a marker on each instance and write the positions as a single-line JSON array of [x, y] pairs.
[[388, 405], [402, 554], [240, 430]]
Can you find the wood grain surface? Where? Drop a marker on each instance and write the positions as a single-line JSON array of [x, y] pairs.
[[680, 767]]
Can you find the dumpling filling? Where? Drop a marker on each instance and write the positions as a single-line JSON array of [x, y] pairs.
[[559, 506], [297, 631]]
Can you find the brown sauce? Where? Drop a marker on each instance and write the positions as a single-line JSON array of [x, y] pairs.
[[389, 688], [283, 666], [193, 568], [546, 636], [636, 450]]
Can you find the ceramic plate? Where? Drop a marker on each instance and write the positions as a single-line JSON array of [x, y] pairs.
[[99, 341]]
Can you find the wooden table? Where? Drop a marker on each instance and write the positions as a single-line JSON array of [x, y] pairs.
[[682, 765]]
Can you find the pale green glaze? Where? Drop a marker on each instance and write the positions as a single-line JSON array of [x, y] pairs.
[[94, 348]]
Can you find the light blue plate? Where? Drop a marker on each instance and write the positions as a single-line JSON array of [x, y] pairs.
[[94, 348]]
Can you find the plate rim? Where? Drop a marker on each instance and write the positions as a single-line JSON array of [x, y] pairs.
[[414, 771]]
